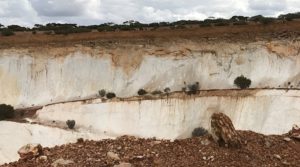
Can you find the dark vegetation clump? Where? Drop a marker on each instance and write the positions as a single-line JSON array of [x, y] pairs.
[[7, 32], [6, 111], [167, 90], [102, 93], [110, 95], [156, 92], [71, 124], [142, 92], [192, 89], [242, 82], [197, 132]]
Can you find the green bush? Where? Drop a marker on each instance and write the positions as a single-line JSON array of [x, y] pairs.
[[71, 124], [242, 82], [110, 95], [167, 90], [197, 132], [142, 92], [192, 89], [6, 111], [102, 93], [7, 32]]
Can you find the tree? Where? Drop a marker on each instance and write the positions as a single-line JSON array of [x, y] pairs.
[[242, 82]]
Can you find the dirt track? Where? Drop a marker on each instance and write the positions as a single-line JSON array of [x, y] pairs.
[[257, 150]]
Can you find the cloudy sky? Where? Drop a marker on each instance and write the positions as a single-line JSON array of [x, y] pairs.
[[87, 12]]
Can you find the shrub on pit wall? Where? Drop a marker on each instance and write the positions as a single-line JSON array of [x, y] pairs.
[[6, 111], [142, 92], [167, 90], [193, 88], [110, 95], [71, 124], [197, 132], [102, 93], [242, 82]]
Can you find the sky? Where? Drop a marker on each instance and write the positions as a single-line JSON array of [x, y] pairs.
[[89, 12]]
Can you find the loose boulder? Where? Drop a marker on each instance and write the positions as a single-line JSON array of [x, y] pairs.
[[295, 132], [30, 151], [224, 132]]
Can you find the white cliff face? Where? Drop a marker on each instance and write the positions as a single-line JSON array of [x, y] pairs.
[[15, 135], [264, 111], [40, 76]]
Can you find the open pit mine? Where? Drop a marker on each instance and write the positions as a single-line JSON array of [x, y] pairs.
[[52, 81]]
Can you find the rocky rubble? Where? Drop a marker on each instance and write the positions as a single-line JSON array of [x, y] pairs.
[[130, 151]]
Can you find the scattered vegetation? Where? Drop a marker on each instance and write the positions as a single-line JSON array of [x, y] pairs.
[[71, 124], [132, 25], [102, 93], [242, 82], [142, 92], [110, 95], [6, 111], [7, 32], [197, 132]]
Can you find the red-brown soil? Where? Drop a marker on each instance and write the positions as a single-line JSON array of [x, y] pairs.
[[257, 151], [239, 33]]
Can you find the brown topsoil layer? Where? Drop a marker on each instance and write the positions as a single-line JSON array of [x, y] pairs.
[[251, 32], [257, 151]]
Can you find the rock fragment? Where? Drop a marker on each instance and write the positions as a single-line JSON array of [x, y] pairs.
[[30, 151], [113, 156], [224, 132], [123, 164], [61, 162], [295, 132]]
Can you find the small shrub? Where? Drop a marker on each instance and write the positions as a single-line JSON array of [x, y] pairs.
[[110, 95], [7, 32], [142, 92], [193, 88], [242, 82], [71, 124], [156, 92], [33, 32], [197, 132], [167, 90], [6, 111], [102, 93]]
